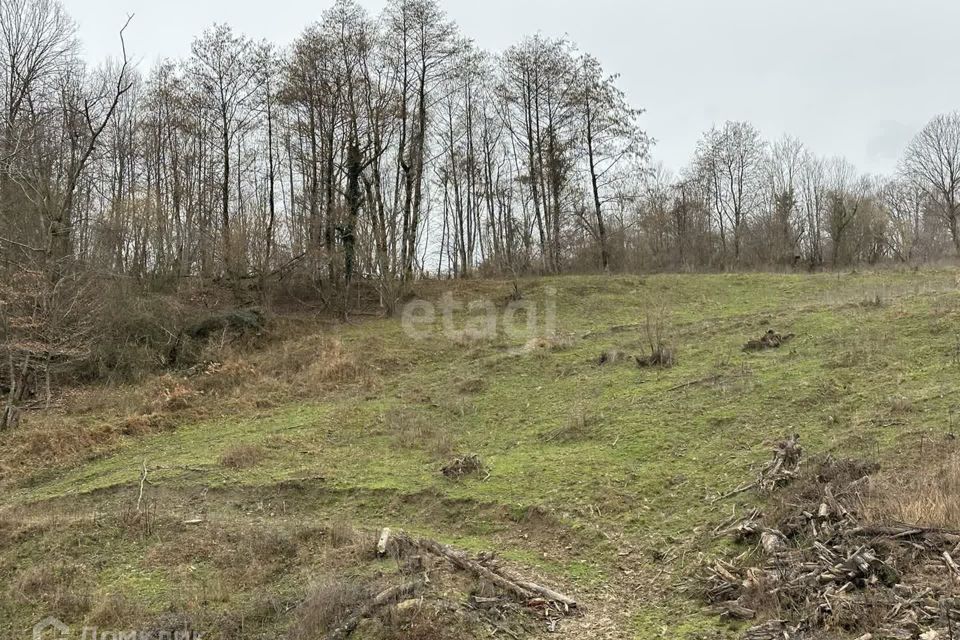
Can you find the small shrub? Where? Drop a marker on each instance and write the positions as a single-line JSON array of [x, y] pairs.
[[471, 385], [174, 395], [655, 329]]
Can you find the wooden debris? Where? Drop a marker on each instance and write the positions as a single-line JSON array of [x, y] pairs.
[[464, 466], [825, 569], [523, 589], [734, 610], [770, 340], [517, 594], [384, 598], [779, 471], [383, 541]]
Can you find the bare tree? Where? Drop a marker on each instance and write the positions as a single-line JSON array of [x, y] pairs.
[[229, 75], [732, 159], [933, 160], [611, 137], [848, 196], [905, 202]]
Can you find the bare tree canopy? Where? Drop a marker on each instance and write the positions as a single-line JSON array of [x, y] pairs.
[[378, 149]]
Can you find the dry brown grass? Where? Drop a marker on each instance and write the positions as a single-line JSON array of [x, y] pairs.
[[298, 362], [581, 425], [341, 534], [242, 456], [61, 587], [329, 602], [928, 495], [555, 342], [413, 430], [115, 611], [900, 404]]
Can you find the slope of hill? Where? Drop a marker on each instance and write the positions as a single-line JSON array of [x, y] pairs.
[[244, 500]]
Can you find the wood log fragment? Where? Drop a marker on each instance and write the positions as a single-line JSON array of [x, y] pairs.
[[950, 563], [549, 594], [733, 609], [462, 562], [383, 541]]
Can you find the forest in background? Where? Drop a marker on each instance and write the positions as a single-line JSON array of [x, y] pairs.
[[373, 151]]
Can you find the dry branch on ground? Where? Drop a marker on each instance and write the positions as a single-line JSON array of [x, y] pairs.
[[819, 567], [543, 602]]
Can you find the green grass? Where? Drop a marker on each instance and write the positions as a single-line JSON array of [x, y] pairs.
[[661, 443]]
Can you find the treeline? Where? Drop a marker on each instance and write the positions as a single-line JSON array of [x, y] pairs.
[[383, 148], [376, 147], [747, 202]]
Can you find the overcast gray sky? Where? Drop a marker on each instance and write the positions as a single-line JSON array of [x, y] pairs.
[[848, 77]]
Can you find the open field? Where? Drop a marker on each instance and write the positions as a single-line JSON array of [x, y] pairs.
[[269, 473]]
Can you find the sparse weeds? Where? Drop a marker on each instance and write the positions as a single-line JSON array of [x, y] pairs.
[[581, 425], [928, 496], [413, 430], [115, 611], [242, 456], [901, 404], [329, 602], [341, 534], [62, 587]]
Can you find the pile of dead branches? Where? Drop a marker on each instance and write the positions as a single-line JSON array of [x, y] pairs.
[[816, 567], [466, 465], [781, 469], [422, 558], [770, 340]]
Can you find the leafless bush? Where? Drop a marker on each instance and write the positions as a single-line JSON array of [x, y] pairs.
[[45, 326], [655, 332]]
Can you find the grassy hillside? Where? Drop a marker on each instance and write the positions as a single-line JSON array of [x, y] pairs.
[[269, 473]]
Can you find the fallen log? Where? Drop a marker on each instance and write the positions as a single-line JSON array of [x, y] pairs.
[[462, 562], [549, 594], [524, 590]]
